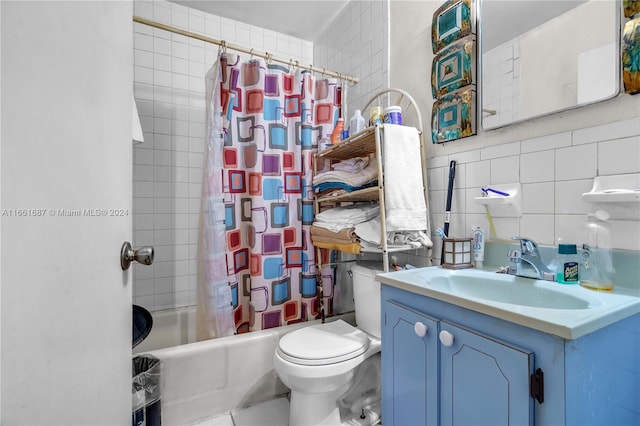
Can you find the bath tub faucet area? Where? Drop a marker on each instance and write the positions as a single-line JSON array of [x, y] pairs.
[[528, 261]]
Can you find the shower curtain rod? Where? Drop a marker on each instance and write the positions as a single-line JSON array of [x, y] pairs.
[[268, 56]]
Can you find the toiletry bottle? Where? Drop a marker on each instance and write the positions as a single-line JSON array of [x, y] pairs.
[[567, 264], [336, 136], [393, 114], [375, 115], [596, 266], [478, 246], [356, 124]]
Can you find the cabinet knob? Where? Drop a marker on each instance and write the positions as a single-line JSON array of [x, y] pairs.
[[420, 329], [446, 338]]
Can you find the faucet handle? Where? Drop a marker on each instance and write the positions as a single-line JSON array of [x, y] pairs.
[[514, 255], [527, 245]]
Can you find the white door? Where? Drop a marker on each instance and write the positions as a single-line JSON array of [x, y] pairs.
[[66, 210]]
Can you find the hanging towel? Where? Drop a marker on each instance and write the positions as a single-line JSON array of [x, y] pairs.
[[405, 205]]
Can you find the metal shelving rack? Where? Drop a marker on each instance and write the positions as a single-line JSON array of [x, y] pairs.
[[362, 144]]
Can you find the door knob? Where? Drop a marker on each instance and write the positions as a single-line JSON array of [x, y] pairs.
[[420, 329], [446, 338], [142, 255]]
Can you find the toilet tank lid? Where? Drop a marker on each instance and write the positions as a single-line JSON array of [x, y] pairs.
[[368, 267], [323, 343]]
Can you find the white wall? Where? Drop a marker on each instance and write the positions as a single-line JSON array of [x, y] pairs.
[[169, 89], [356, 44], [66, 144], [555, 158]]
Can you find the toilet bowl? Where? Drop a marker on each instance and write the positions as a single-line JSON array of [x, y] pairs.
[[328, 367]]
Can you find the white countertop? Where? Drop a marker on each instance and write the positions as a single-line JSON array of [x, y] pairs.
[[598, 309]]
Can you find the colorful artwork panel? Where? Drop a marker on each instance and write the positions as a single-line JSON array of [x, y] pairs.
[[454, 20], [631, 7], [631, 56], [453, 116], [453, 68]]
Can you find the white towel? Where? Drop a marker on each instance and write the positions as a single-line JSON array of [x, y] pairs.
[[339, 218], [364, 176], [405, 205]]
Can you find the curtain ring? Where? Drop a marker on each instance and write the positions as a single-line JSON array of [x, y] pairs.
[[251, 53], [223, 43]]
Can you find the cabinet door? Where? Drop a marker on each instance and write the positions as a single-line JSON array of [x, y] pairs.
[[409, 367], [484, 381]]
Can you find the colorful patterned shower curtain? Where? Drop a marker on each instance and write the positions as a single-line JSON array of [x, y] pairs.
[[257, 200]]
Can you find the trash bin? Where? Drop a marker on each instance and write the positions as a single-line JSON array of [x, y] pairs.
[[146, 391]]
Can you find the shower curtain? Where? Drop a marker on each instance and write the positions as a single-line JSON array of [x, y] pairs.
[[256, 263]]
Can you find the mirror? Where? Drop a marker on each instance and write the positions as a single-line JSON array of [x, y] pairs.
[[540, 57]]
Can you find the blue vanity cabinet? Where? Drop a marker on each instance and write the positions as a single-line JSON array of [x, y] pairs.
[[410, 395], [437, 373], [484, 377], [483, 381]]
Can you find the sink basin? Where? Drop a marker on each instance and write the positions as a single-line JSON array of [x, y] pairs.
[[567, 311], [512, 290]]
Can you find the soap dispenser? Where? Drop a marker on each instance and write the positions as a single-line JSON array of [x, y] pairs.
[[596, 266]]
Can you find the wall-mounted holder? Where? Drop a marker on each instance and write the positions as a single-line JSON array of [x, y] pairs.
[[503, 205], [619, 195], [614, 189]]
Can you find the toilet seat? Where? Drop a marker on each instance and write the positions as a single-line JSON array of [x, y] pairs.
[[323, 344]]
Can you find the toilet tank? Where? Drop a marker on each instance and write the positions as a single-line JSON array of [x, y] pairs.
[[366, 297]]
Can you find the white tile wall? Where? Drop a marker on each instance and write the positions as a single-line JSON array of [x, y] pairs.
[[500, 84], [356, 44], [169, 71], [554, 171]]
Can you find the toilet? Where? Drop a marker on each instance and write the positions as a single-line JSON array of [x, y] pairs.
[[333, 369]]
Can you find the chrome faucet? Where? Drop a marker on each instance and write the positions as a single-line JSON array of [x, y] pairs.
[[529, 262]]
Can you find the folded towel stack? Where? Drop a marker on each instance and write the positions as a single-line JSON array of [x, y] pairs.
[[348, 176], [335, 228], [346, 217]]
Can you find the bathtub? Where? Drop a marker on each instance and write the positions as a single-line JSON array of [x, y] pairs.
[[213, 377], [172, 327]]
